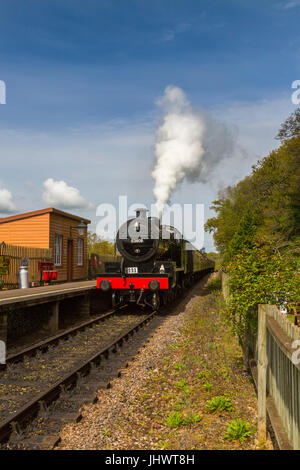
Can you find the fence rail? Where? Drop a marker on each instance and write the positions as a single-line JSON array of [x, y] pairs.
[[15, 254]]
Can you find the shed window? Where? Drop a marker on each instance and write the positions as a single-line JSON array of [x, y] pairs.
[[80, 252], [57, 249]]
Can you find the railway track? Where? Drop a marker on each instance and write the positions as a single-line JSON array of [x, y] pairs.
[[34, 421], [61, 393], [44, 344]]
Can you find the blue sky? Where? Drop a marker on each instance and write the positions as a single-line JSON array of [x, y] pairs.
[[82, 80]]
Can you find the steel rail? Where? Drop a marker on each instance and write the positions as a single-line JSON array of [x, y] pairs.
[[28, 412]]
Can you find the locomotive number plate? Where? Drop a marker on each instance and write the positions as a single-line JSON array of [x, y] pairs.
[[131, 270]]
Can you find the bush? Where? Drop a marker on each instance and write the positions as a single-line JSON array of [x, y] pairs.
[[258, 276]]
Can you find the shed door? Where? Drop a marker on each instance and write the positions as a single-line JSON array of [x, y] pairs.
[[70, 260]]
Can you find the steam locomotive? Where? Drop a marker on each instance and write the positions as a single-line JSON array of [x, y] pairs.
[[156, 263]]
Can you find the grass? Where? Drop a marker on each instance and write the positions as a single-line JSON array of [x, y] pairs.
[[178, 366], [202, 375], [193, 407], [238, 431], [220, 403], [192, 418], [183, 385], [179, 405], [175, 419], [164, 445], [215, 284], [208, 386]]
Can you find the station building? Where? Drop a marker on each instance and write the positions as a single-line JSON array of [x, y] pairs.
[[65, 234]]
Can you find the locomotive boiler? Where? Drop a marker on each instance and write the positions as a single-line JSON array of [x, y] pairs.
[[156, 264]]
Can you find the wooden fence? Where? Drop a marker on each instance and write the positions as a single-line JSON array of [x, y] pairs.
[[278, 385], [274, 358], [12, 256]]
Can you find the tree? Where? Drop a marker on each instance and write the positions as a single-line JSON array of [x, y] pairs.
[[257, 232], [225, 223], [271, 194], [97, 245], [290, 127], [244, 237]]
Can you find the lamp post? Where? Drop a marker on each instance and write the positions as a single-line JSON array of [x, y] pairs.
[[82, 227]]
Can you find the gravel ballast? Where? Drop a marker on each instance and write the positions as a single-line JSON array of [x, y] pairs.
[[190, 359]]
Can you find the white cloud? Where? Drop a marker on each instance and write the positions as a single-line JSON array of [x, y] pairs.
[[255, 125], [290, 4], [171, 33], [59, 194], [7, 205]]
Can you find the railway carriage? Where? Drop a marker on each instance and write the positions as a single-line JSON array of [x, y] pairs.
[[156, 263]]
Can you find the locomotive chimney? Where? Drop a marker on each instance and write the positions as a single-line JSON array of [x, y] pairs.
[[141, 213]]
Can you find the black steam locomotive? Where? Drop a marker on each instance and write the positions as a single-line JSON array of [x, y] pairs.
[[156, 263]]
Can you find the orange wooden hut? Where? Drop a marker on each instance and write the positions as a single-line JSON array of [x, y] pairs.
[[65, 234]]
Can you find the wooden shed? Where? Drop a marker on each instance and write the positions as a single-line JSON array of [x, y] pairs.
[[54, 229]]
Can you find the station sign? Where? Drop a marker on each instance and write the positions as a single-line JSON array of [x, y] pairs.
[[4, 264]]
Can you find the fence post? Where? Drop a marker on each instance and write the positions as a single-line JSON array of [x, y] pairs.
[[262, 373]]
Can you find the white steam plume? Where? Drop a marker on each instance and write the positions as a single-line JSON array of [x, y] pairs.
[[188, 145]]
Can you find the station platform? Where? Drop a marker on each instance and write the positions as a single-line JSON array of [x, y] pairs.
[[38, 295]]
